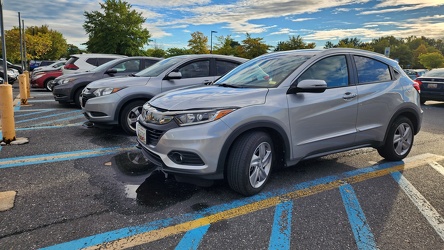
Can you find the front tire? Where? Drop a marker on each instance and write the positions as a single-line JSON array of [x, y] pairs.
[[128, 116], [250, 163], [48, 85], [399, 140]]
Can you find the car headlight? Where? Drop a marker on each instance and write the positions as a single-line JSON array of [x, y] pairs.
[[67, 80], [199, 117], [105, 91]]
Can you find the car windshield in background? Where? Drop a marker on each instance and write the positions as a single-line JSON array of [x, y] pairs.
[[268, 72], [159, 67], [435, 73]]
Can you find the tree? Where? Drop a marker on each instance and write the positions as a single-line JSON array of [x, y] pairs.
[[198, 43], [72, 49], [58, 45], [432, 60], [118, 30], [177, 52], [253, 47], [294, 43]]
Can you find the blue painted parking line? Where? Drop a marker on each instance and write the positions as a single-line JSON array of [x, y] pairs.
[[361, 230], [424, 206], [192, 238], [281, 231], [33, 113], [48, 116], [57, 157]]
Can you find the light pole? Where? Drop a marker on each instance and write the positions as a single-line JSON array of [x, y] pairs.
[[211, 41]]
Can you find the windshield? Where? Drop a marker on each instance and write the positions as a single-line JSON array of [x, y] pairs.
[[105, 66], [159, 67], [264, 72]]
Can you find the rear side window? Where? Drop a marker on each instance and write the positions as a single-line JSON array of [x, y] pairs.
[[333, 70], [92, 61], [370, 70], [149, 63], [101, 61], [223, 67]]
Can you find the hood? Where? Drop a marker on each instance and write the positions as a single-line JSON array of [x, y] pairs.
[[209, 97], [124, 81]]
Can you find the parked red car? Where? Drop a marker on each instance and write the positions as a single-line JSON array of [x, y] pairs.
[[41, 79]]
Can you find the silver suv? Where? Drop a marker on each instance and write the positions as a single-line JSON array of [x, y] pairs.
[[278, 109], [119, 101]]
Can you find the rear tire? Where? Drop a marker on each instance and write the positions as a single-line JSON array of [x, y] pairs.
[[128, 116], [250, 163], [399, 140]]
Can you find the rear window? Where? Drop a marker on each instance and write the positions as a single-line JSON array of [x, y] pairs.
[[72, 60]]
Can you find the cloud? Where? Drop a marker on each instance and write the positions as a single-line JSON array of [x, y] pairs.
[[387, 6], [302, 19]]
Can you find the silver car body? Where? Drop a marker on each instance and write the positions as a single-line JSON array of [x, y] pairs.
[[303, 124], [106, 109]]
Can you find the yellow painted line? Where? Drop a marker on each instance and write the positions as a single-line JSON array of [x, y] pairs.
[[151, 236]]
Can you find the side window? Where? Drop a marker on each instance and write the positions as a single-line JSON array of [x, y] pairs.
[[132, 66], [92, 61], [370, 70], [149, 63], [223, 67], [101, 61], [333, 70], [195, 69]]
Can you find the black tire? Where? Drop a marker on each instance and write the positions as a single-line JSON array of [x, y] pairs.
[[241, 165], [47, 84], [128, 116], [77, 97], [399, 140]]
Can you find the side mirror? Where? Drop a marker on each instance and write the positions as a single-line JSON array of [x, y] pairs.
[[308, 86], [111, 71], [174, 75]]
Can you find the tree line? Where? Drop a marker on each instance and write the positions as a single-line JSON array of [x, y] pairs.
[[119, 30]]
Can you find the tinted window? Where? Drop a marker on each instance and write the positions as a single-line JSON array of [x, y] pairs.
[[333, 70], [101, 61], [195, 69], [370, 70], [149, 63], [92, 61], [72, 60], [223, 67]]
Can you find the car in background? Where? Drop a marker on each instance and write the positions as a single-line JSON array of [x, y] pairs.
[[278, 109], [118, 101], [54, 66], [67, 88], [12, 74], [415, 73], [43, 79], [84, 62], [12, 66], [431, 85]]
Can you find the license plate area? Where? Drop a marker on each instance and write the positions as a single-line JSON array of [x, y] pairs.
[[432, 85], [141, 133]]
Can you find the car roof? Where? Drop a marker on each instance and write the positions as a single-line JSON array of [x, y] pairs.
[[92, 55], [192, 56]]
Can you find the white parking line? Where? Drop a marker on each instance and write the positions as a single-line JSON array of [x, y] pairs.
[[437, 167]]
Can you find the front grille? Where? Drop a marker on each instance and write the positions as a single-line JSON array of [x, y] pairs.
[[153, 136]]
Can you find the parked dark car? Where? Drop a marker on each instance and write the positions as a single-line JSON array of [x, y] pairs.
[[432, 85], [67, 88]]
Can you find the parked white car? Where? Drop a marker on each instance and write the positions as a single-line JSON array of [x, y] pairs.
[[55, 66], [85, 62]]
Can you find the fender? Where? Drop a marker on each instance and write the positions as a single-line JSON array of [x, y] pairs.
[[127, 99]]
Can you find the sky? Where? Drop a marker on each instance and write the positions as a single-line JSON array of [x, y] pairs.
[[171, 22]]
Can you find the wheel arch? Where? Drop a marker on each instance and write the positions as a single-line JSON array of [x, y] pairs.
[[276, 132], [125, 101], [78, 87], [411, 114]]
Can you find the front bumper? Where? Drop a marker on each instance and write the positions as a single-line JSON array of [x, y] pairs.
[[205, 141], [101, 109], [62, 93]]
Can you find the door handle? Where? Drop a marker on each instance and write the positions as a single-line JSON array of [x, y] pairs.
[[348, 96]]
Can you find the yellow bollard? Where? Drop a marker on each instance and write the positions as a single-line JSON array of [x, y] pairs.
[[7, 113], [23, 89], [28, 83]]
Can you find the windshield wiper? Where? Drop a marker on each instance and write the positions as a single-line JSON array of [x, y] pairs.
[[227, 85]]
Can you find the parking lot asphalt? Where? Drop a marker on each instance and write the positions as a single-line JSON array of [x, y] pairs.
[[77, 187]]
